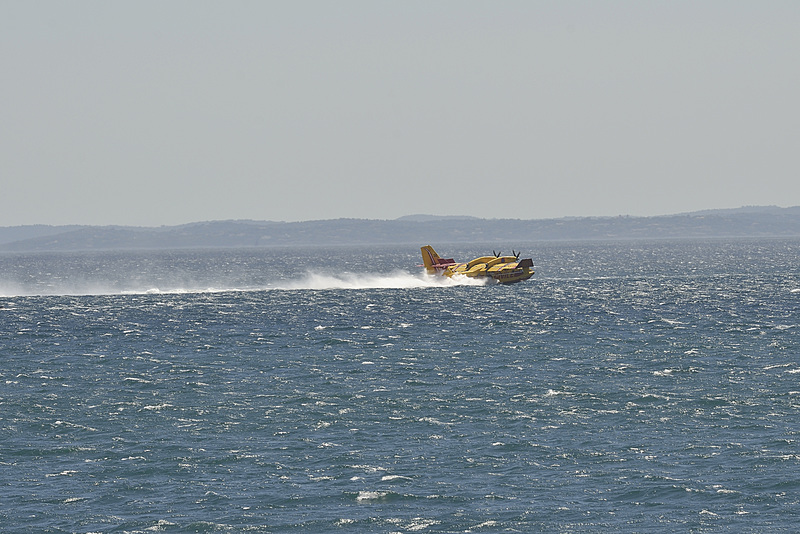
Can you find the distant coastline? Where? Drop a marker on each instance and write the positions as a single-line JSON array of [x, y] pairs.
[[750, 221]]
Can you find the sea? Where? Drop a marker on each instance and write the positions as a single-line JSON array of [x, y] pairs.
[[629, 386]]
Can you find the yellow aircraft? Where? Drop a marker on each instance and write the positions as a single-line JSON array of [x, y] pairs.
[[503, 269]]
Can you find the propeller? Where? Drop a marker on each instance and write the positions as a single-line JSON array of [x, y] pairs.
[[516, 254], [496, 254]]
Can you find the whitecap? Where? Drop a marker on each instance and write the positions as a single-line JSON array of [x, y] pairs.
[[61, 474], [389, 478], [370, 495], [434, 421], [768, 367], [421, 524], [157, 407]]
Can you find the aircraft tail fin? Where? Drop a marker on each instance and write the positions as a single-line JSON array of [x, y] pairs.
[[429, 257]]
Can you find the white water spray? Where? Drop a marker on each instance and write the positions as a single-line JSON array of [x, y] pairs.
[[397, 280], [310, 281]]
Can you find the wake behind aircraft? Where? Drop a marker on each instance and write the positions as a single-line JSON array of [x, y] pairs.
[[503, 269]]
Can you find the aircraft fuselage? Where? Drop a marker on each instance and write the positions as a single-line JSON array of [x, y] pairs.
[[502, 269]]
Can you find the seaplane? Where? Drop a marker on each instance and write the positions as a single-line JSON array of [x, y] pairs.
[[502, 269]]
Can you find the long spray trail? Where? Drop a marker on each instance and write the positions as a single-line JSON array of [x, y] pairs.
[[398, 280], [309, 281]]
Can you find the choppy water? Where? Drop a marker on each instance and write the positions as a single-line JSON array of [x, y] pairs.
[[636, 387]]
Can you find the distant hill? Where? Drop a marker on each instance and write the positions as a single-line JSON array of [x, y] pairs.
[[751, 221], [10, 234], [762, 210], [435, 218]]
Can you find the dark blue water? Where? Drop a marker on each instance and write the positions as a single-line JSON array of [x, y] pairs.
[[632, 387]]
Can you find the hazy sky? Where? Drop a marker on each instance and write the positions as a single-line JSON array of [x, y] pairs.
[[167, 112]]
